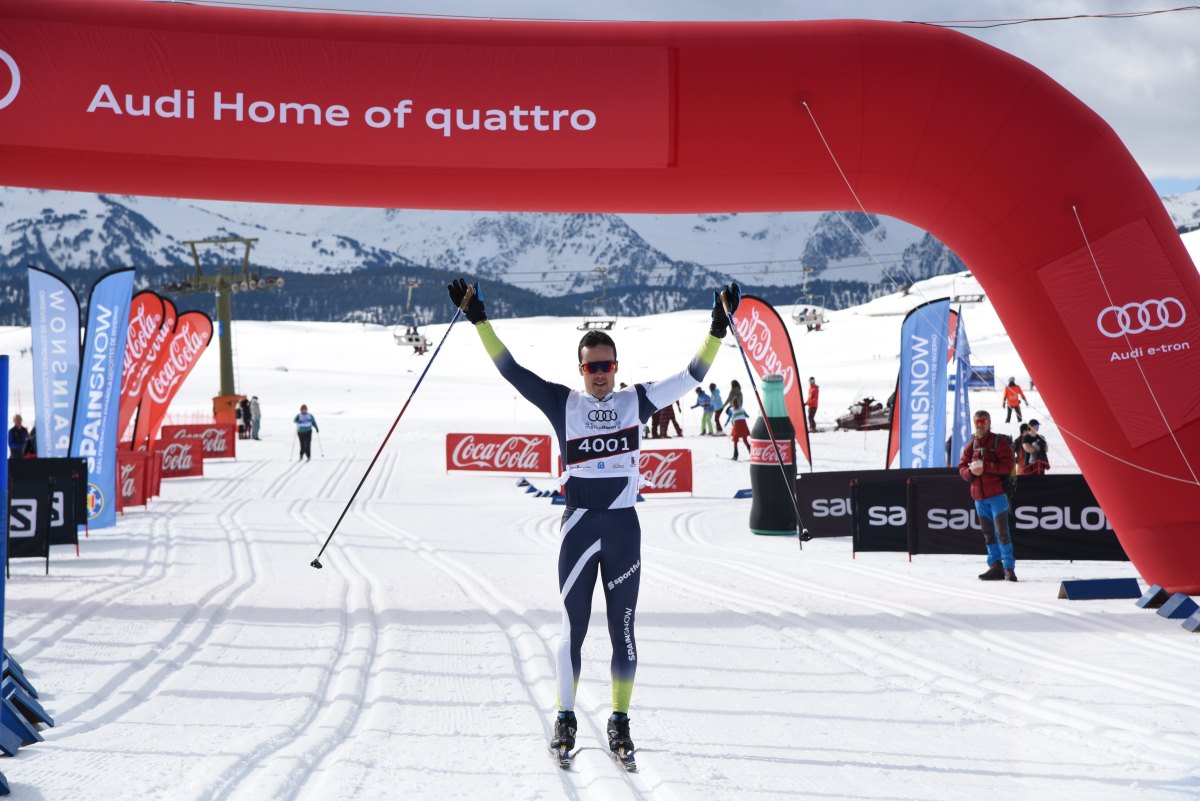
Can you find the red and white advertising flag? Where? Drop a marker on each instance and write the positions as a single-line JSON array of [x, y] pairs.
[[193, 332], [666, 470], [146, 315], [217, 440], [768, 346], [499, 453]]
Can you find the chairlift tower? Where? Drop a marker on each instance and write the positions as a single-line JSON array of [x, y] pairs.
[[599, 320], [227, 280]]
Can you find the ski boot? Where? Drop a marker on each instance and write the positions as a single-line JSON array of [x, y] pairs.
[[995, 572], [564, 738], [619, 742]]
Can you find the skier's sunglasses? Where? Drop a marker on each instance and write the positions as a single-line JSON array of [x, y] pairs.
[[602, 366]]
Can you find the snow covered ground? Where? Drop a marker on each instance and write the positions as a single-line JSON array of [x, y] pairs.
[[192, 653]]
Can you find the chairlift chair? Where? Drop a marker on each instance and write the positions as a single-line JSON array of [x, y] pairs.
[[407, 334]]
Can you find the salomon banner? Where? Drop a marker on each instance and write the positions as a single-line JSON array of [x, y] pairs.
[[880, 509], [921, 402], [67, 482], [1053, 517], [824, 498], [498, 453], [193, 332], [147, 313], [768, 346], [94, 430], [960, 426], [666, 470], [54, 320]]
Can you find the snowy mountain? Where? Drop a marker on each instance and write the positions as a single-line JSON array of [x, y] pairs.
[[1184, 209], [354, 264]]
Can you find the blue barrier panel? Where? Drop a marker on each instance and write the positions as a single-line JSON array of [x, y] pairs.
[[11, 717], [9, 741], [4, 785], [1192, 623], [558, 500], [1153, 598], [10, 672], [1178, 607], [1099, 589], [744, 493], [25, 703]]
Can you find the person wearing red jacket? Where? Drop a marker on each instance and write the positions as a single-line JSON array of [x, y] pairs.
[[987, 460], [814, 393], [1013, 397]]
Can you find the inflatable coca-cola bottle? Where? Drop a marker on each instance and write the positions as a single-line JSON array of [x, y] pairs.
[[771, 509]]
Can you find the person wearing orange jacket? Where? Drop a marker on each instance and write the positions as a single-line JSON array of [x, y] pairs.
[[1013, 396], [814, 392]]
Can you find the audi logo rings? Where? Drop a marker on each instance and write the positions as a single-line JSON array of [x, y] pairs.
[[1136, 318], [15, 81], [602, 415]]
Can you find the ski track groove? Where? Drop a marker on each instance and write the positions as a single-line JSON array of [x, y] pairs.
[[336, 475], [579, 784], [955, 686], [67, 611], [1060, 615], [170, 653], [345, 672]]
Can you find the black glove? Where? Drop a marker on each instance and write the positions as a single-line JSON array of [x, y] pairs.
[[474, 308], [720, 322]]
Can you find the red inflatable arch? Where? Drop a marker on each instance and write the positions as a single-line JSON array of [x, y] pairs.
[[1033, 190]]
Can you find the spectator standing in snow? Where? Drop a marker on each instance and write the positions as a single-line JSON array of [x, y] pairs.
[[814, 395], [243, 414], [717, 406], [666, 417], [1033, 446], [306, 424], [31, 443], [1013, 396], [255, 417], [17, 438], [706, 411], [987, 460]]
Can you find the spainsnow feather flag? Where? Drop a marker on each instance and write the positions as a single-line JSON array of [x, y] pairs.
[[54, 320], [98, 398]]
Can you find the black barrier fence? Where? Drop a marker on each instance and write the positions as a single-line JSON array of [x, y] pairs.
[[825, 499], [1052, 517], [47, 503]]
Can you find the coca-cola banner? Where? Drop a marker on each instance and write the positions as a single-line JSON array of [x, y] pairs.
[[666, 470], [768, 346], [761, 452], [500, 453], [180, 458], [217, 440], [146, 315], [131, 483], [97, 397], [193, 332]]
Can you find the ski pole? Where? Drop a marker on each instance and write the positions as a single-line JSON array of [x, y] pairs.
[[458, 312], [802, 530], [319, 445], [293, 447]]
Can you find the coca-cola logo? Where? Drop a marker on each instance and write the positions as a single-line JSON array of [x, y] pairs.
[[761, 452], [133, 387], [177, 457], [142, 328], [182, 353], [659, 468], [513, 453], [127, 481], [213, 439], [760, 347]]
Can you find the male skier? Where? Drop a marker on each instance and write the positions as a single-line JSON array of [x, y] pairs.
[[599, 432]]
